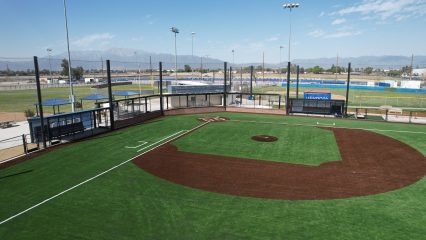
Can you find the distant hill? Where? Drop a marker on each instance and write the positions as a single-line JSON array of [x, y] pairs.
[[131, 59], [384, 62]]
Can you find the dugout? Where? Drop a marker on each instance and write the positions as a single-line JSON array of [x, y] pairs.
[[70, 126], [317, 106]]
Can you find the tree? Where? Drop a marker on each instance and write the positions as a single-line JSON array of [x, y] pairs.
[[65, 67], [187, 68], [368, 70], [78, 72], [315, 70]]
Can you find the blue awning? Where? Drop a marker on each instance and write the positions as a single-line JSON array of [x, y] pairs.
[[124, 93], [54, 102], [94, 97]]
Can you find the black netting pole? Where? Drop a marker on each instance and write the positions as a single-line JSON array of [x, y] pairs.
[[347, 89], [40, 105], [111, 106], [161, 88], [287, 100]]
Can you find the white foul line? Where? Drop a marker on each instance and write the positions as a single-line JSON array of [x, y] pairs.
[[140, 145], [107, 171], [327, 126]]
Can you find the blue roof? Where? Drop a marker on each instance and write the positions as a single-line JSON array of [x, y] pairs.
[[94, 97], [124, 93], [54, 102]]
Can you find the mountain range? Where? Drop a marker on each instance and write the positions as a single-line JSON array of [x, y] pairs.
[[122, 59]]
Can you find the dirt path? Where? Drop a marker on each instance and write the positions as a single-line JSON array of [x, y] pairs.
[[12, 116], [371, 164]]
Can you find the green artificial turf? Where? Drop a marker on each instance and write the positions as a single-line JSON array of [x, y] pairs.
[[296, 144], [128, 203]]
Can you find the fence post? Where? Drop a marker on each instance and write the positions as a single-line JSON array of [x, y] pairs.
[[279, 102], [347, 89], [225, 66], [111, 106], [386, 115], [409, 119], [37, 75], [287, 100], [241, 80], [297, 83], [251, 80], [161, 89], [24, 143], [230, 78]]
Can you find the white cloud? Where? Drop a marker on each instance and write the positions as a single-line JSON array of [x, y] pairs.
[[386, 9], [341, 34], [316, 33], [272, 39], [322, 14], [338, 21], [137, 39], [93, 39]]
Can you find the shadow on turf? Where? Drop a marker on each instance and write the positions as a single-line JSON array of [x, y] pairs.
[[16, 174]]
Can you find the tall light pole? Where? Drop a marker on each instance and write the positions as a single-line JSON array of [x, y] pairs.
[[69, 58], [290, 6], [49, 50], [175, 31], [192, 59]]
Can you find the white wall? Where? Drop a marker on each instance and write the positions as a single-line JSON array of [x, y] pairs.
[[411, 84]]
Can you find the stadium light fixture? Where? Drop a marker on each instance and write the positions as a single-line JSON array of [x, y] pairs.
[[175, 31], [290, 6]]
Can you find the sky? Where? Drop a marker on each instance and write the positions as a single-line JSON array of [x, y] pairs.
[[323, 28]]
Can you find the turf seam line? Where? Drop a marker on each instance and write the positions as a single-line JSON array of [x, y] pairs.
[[326, 126], [107, 171]]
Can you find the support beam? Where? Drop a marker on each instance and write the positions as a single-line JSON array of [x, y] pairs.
[[347, 89], [287, 98], [297, 82], [225, 68], [39, 98], [161, 89], [251, 79], [111, 106]]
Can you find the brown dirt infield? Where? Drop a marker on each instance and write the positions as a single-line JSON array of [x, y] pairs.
[[264, 138], [371, 164]]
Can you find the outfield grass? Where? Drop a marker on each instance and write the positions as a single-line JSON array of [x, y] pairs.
[[300, 145], [21, 100], [128, 203], [364, 98]]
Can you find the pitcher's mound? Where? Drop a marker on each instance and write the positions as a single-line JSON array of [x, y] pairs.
[[264, 138], [212, 119]]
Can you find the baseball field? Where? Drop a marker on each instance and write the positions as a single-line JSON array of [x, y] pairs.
[[224, 176]]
